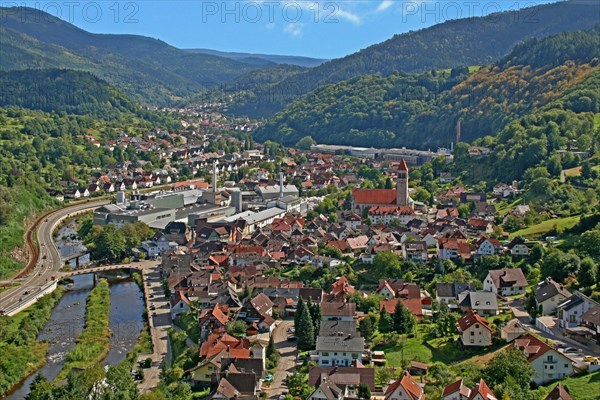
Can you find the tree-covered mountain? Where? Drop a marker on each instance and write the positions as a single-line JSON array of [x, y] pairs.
[[422, 110], [469, 41], [147, 69], [74, 92], [299, 61]]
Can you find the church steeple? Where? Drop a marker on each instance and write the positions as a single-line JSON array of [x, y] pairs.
[[402, 185]]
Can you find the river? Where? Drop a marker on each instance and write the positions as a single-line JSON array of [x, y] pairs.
[[69, 243], [68, 318]]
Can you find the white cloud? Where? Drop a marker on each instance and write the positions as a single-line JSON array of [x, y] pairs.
[[347, 15], [384, 5], [295, 29]]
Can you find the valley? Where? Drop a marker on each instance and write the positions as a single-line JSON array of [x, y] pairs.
[[419, 219]]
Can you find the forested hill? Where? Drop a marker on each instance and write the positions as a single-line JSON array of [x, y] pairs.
[[421, 110], [148, 70], [73, 92], [472, 41]]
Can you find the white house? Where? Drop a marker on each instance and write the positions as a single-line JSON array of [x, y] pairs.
[[549, 294], [456, 391], [164, 244], [481, 391], [474, 330], [327, 390], [505, 282], [548, 363], [151, 248], [518, 248], [405, 388], [179, 304], [571, 310], [488, 247], [339, 350]]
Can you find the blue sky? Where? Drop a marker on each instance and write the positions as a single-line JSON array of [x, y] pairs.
[[315, 28]]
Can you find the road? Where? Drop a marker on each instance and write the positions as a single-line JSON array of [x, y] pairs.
[[159, 320], [557, 337], [48, 264], [287, 363], [49, 261]]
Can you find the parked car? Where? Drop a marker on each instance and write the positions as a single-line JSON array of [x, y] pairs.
[[570, 350], [590, 359], [292, 338]]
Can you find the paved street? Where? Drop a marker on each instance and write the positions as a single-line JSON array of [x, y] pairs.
[[48, 268], [160, 322], [49, 262], [557, 337], [287, 362]]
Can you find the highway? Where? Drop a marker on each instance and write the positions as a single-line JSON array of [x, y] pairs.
[[46, 260]]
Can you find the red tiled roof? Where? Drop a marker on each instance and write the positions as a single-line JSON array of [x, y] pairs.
[[374, 196], [219, 259], [456, 387], [470, 319], [482, 389], [413, 305], [533, 346], [411, 387]]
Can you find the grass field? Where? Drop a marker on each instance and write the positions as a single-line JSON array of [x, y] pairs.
[[427, 349], [573, 171], [585, 387], [93, 344], [503, 207], [544, 227]]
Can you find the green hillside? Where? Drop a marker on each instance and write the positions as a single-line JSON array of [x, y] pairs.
[[422, 110], [147, 69], [73, 92], [471, 41]]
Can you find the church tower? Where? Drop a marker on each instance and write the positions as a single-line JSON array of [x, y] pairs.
[[402, 185]]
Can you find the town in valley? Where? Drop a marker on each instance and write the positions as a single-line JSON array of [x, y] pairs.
[[411, 230]]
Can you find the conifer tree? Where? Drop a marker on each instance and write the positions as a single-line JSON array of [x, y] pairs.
[[305, 330], [385, 321], [403, 320]]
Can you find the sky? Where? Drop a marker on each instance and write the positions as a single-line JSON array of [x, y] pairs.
[[312, 28]]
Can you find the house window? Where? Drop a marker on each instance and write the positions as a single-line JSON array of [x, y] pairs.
[[472, 333], [566, 365], [477, 326], [325, 354]]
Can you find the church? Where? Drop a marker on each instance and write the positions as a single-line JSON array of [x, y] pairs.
[[399, 197]]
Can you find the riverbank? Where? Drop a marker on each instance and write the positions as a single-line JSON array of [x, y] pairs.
[[93, 344], [22, 354]]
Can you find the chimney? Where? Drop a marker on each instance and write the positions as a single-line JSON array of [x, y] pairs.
[[214, 177], [281, 185]]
